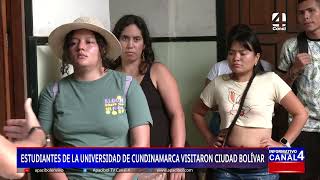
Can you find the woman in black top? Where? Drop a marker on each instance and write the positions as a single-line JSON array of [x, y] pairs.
[[158, 84]]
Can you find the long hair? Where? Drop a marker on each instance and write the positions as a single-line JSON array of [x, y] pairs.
[[147, 53], [250, 41], [103, 45]]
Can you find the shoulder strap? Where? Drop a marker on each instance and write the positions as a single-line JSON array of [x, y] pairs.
[[149, 69], [127, 84], [302, 43], [55, 89], [147, 74], [245, 92], [302, 48]]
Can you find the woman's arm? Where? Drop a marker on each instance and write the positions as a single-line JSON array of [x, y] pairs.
[[199, 111], [139, 137], [168, 88], [299, 117], [169, 91]]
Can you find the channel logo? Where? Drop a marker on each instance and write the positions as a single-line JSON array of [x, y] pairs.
[[286, 160], [279, 21]]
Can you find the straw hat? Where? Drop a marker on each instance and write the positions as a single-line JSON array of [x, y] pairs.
[[57, 36]]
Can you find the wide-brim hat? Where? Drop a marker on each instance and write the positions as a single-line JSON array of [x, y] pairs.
[[57, 36]]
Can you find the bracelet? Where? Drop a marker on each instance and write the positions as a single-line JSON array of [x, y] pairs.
[[34, 128]]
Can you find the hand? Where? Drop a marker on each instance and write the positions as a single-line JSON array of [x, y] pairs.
[[301, 61], [124, 176], [32, 120], [269, 142], [220, 138], [18, 129], [210, 139], [177, 174]]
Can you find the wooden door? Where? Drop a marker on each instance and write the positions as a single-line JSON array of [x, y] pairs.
[[258, 15], [12, 61], [4, 67]]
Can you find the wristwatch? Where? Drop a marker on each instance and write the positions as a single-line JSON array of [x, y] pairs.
[[285, 142]]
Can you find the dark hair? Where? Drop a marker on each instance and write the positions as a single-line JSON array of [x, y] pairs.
[[147, 53], [103, 45], [237, 29], [249, 40]]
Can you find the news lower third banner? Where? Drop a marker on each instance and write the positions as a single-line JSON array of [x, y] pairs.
[[286, 160], [276, 159]]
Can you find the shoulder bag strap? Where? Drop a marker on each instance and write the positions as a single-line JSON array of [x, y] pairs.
[[245, 92], [127, 85], [302, 43]]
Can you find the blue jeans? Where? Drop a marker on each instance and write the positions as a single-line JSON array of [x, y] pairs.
[[244, 174]]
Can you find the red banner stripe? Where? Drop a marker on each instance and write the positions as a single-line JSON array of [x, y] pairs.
[[286, 167]]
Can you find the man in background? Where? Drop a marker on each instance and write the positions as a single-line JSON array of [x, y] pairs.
[[303, 71]]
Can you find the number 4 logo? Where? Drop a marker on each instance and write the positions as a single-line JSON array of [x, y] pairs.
[[300, 156], [279, 21]]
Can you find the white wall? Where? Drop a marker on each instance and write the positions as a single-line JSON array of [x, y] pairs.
[[49, 14], [170, 18], [48, 67], [190, 63]]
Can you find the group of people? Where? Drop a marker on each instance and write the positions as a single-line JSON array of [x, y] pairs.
[[118, 96]]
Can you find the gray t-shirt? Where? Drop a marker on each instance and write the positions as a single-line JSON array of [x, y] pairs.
[[93, 113]]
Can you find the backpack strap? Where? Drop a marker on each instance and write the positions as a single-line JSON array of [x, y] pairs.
[[127, 85], [55, 89], [302, 43]]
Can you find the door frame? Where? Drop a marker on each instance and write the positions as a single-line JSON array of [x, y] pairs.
[[13, 64], [221, 34]]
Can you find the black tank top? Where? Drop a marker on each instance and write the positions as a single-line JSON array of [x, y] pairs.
[[160, 131]]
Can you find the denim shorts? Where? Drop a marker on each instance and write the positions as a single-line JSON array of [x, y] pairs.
[[244, 174]]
